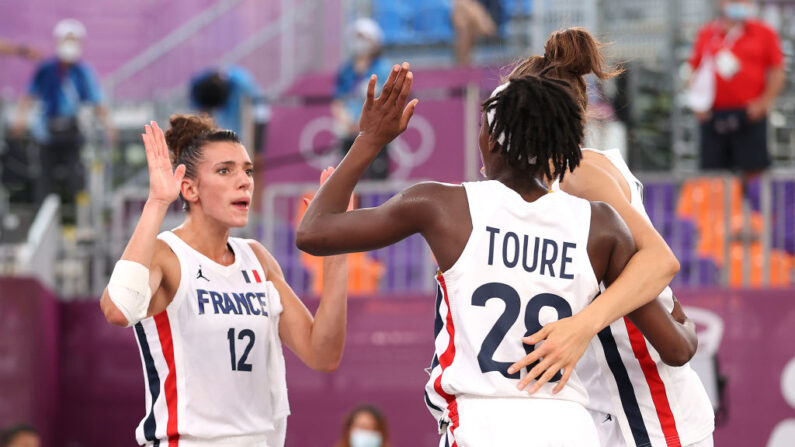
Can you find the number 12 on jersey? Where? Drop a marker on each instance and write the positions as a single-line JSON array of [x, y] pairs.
[[513, 304], [240, 364]]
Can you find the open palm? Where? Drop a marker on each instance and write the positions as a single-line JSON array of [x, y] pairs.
[[164, 181], [386, 117]]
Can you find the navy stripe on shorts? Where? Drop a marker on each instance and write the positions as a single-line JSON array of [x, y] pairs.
[[625, 391], [154, 384]]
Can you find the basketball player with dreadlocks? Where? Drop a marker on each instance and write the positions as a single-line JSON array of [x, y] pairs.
[[514, 258]]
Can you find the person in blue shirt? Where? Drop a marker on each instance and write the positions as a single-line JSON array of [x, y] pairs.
[[233, 98], [62, 84], [365, 44]]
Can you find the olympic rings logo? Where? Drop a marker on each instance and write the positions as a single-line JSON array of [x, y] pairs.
[[405, 157]]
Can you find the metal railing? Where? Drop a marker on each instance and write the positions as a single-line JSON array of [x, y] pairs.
[[37, 255]]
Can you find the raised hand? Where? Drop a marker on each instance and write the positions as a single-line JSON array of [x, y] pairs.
[[387, 116], [164, 182]]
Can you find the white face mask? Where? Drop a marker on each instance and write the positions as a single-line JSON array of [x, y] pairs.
[[361, 46], [68, 51], [365, 438], [739, 11]]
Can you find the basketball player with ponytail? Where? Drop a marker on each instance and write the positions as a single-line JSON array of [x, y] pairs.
[[516, 261], [210, 311], [642, 392]]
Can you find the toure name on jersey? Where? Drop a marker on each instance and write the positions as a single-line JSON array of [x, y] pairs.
[[546, 256], [246, 303]]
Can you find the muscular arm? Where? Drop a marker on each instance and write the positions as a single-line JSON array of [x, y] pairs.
[[675, 341], [317, 341], [649, 270], [326, 228], [163, 189], [140, 249], [673, 335]]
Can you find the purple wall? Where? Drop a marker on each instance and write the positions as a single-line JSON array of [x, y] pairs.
[[29, 356], [389, 344], [117, 30]]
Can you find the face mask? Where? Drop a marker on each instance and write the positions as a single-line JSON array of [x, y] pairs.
[[738, 11], [361, 46], [68, 51], [365, 438]]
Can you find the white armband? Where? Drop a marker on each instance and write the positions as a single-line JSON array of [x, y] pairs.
[[129, 290]]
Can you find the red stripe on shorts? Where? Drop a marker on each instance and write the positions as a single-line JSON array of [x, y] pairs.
[[170, 384], [445, 360], [656, 385]]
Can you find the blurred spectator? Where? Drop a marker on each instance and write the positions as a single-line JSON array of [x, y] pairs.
[[10, 48], [235, 101], [62, 84], [21, 435], [365, 40], [738, 58], [471, 21], [365, 426]]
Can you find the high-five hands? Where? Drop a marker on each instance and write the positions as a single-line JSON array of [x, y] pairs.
[[164, 181], [387, 116]]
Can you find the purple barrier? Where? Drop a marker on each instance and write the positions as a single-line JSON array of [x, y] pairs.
[[388, 346], [303, 143], [29, 356], [759, 329], [102, 382]]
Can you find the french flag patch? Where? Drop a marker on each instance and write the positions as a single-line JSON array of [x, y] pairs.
[[251, 276]]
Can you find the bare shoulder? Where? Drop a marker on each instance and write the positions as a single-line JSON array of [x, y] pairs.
[[433, 191], [164, 258], [166, 262], [604, 216]]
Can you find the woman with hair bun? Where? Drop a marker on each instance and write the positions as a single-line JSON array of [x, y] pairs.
[[640, 393], [211, 311]]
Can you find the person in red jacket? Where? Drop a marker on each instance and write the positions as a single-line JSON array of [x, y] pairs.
[[745, 55]]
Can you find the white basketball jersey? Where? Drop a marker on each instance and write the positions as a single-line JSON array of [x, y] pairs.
[[656, 405], [207, 358], [524, 265]]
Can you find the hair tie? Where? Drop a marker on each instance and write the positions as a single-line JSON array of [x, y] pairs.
[[490, 119]]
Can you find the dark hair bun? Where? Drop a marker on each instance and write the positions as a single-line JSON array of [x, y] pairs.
[[184, 130]]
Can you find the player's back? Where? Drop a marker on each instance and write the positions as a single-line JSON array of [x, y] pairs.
[[525, 265], [655, 404]]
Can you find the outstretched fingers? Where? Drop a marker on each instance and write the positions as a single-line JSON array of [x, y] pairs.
[[405, 89], [371, 91], [408, 112], [388, 85], [179, 173], [160, 140], [400, 80]]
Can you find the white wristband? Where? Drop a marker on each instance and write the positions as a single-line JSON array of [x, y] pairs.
[[128, 288]]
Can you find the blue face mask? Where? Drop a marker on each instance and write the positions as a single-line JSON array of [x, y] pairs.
[[365, 438], [739, 11]]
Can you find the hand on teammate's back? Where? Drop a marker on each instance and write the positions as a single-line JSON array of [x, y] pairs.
[[387, 116], [164, 181], [565, 342]]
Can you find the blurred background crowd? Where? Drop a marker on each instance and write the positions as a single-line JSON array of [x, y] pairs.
[[710, 132]]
